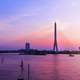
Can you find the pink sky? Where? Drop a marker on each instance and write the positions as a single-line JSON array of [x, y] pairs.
[[33, 21]]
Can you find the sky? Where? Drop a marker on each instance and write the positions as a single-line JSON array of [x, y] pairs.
[[33, 21]]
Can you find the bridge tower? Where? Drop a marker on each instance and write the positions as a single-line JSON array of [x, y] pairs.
[[55, 46]]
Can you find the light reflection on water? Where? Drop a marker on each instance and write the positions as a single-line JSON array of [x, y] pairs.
[[49, 67]]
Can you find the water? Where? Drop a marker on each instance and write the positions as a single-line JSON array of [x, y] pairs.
[[49, 67]]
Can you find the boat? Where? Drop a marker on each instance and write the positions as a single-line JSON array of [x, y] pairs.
[[71, 55]]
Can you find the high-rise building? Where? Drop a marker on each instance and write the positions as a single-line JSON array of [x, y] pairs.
[[27, 46]]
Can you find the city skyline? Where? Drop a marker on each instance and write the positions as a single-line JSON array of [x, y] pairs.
[[33, 21]]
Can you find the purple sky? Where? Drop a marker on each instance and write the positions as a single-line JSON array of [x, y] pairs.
[[33, 21]]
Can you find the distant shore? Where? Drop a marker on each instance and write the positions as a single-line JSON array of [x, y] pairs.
[[38, 52]]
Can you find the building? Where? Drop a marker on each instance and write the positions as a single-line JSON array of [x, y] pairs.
[[27, 46]]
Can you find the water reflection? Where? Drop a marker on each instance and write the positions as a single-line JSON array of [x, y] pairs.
[[22, 66], [21, 75], [49, 67], [2, 60], [56, 73]]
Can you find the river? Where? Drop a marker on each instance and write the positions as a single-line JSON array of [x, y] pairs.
[[42, 67]]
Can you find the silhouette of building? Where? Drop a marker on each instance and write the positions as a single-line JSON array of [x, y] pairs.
[[55, 46], [27, 46]]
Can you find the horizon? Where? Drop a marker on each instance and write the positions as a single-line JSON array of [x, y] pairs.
[[33, 21]]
